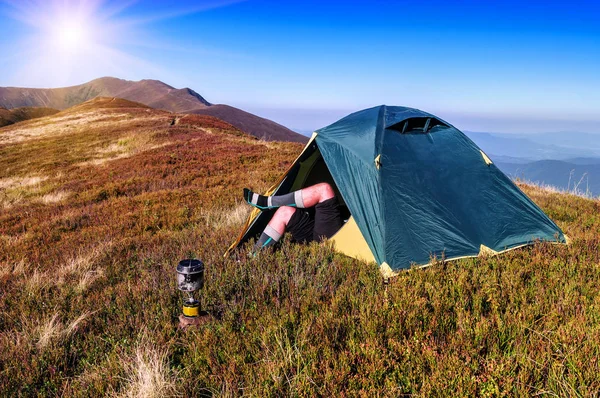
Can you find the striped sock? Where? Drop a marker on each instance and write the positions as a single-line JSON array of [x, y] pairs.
[[293, 199], [268, 238]]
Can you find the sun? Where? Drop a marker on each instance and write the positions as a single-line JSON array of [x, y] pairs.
[[71, 36], [73, 41]]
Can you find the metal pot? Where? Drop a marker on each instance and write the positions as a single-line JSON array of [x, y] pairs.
[[190, 275]]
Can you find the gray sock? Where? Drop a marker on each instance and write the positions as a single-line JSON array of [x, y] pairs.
[[268, 238], [292, 199]]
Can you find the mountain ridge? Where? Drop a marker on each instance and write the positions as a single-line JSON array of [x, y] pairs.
[[582, 178], [150, 92]]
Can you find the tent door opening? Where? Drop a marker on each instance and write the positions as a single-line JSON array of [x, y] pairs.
[[309, 169]]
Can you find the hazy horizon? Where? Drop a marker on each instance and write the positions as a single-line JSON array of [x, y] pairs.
[[305, 121]]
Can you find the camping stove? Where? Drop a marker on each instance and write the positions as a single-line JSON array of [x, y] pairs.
[[190, 278]]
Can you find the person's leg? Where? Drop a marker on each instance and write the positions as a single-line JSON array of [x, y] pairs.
[[306, 197], [276, 227], [316, 194]]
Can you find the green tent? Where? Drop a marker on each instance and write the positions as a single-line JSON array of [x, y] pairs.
[[412, 187]]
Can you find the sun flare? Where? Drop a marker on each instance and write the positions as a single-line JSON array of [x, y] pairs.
[[73, 40], [71, 36]]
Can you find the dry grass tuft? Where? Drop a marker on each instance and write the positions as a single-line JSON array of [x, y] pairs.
[[49, 330], [76, 265], [12, 269], [13, 182], [37, 282], [149, 373], [11, 240], [14, 191], [547, 189], [265, 143], [75, 324], [269, 144], [54, 197], [101, 161], [19, 268], [52, 329], [225, 218], [123, 148], [88, 278], [82, 264]]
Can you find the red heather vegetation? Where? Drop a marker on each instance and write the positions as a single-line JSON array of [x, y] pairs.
[[98, 204]]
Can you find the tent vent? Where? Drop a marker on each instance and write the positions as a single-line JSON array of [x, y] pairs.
[[417, 125]]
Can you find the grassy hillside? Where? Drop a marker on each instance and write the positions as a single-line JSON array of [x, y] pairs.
[[98, 204]]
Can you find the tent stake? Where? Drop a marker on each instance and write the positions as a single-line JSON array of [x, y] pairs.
[[386, 282]]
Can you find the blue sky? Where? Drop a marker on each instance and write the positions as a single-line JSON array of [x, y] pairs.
[[508, 66]]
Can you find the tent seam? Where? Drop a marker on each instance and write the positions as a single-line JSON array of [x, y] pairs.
[[381, 127]]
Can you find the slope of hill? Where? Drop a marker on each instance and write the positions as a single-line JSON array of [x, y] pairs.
[[153, 93], [99, 203], [11, 116], [259, 127]]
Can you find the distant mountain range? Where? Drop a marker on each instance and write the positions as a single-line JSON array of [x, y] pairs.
[[153, 93], [569, 161], [541, 146], [566, 175]]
